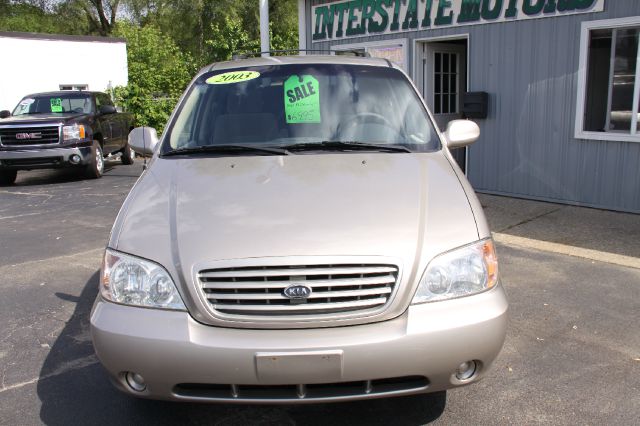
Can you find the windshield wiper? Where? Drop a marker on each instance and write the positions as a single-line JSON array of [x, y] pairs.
[[345, 146], [226, 149]]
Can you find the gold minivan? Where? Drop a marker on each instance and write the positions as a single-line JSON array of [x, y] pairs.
[[302, 234]]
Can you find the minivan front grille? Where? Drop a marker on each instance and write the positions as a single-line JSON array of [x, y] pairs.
[[260, 291], [297, 392], [17, 136]]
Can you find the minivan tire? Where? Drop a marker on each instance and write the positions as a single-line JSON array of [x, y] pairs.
[[95, 168], [8, 177]]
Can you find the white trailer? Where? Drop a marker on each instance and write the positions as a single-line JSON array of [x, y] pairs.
[[34, 63]]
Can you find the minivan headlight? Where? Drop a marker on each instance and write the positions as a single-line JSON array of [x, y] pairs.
[[460, 272], [133, 281]]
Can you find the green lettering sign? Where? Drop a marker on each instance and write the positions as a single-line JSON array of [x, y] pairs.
[[320, 13], [584, 4], [327, 21], [302, 99], [550, 7], [380, 27], [469, 11], [56, 104], [368, 10], [489, 13], [395, 24], [512, 9], [426, 20], [567, 5], [341, 19], [341, 8], [532, 7], [351, 30], [411, 16], [441, 18]]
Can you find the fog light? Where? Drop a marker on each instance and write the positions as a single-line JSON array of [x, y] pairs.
[[75, 159], [135, 382], [466, 370]]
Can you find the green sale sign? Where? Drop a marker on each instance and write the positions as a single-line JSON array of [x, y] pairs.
[[56, 104], [302, 99]]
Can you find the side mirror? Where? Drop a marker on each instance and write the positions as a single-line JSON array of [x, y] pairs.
[[4, 113], [107, 109], [461, 133], [143, 140]]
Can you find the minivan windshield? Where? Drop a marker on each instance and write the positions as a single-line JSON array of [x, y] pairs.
[[55, 103], [301, 107]]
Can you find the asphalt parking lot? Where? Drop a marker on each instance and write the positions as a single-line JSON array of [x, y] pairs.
[[572, 353]]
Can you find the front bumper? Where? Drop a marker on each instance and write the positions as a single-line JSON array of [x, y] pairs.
[[48, 158], [181, 359]]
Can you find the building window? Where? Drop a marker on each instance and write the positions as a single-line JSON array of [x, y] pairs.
[[609, 92], [445, 84]]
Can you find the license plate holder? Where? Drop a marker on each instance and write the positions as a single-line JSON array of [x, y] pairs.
[[299, 367]]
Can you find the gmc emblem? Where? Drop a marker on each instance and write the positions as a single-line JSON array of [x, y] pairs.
[[23, 136]]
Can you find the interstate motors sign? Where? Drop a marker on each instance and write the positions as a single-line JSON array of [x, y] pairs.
[[355, 18]]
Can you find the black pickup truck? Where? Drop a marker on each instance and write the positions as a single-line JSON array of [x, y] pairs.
[[63, 129]]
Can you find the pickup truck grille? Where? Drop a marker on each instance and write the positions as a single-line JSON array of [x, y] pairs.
[[259, 291], [16, 136]]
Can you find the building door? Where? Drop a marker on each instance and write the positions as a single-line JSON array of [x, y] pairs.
[[443, 82]]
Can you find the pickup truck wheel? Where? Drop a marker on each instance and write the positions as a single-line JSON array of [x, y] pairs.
[[8, 177], [128, 155], [95, 168]]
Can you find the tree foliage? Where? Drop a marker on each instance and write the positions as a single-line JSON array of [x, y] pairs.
[[158, 74], [62, 18], [231, 36], [203, 22], [101, 14]]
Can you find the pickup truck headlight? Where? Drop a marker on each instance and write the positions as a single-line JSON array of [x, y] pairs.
[[73, 132], [130, 280], [460, 272]]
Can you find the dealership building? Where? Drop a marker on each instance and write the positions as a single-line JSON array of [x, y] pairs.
[[553, 84]]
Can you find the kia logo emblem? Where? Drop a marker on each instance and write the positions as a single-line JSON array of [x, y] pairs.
[[297, 292], [23, 136]]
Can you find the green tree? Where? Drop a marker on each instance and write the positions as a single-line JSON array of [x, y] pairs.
[[231, 37], [27, 18], [101, 15], [158, 74], [228, 37], [65, 17], [203, 22]]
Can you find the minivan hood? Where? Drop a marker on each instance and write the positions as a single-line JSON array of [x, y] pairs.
[[185, 212], [328, 204]]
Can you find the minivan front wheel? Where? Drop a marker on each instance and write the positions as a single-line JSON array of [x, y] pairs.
[[95, 168]]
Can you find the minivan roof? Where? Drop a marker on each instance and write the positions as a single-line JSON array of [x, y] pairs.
[[299, 59]]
